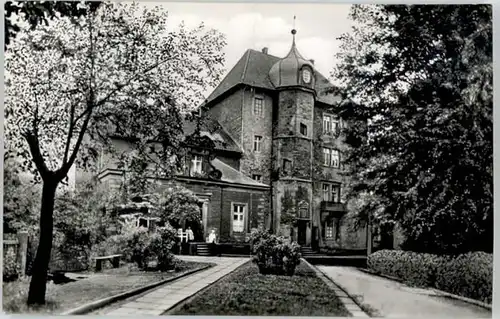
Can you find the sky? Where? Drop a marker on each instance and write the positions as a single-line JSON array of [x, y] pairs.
[[259, 25]]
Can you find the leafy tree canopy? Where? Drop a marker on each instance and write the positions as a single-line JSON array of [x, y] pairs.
[[417, 86], [70, 84]]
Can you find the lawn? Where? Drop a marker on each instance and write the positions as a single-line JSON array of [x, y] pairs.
[[87, 288], [245, 292]]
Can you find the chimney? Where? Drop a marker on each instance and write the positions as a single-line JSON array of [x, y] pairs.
[[265, 50], [312, 61]]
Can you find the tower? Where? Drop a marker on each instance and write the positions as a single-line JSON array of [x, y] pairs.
[[293, 78]]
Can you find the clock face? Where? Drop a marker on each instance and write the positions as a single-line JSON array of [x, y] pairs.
[[306, 76]]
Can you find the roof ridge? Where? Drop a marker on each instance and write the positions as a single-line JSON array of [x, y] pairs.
[[246, 65], [271, 55]]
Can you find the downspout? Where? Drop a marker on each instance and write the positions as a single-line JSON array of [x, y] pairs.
[[221, 210]]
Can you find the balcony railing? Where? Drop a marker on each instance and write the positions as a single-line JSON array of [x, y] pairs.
[[329, 206]]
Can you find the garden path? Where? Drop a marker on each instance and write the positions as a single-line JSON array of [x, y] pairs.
[[167, 296], [393, 299]]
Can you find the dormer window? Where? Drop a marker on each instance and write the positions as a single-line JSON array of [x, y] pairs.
[[196, 165]]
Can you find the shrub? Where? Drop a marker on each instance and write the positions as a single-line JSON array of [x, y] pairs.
[[273, 255], [11, 268], [160, 247], [469, 275], [139, 246]]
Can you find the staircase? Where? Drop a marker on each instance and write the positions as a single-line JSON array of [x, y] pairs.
[[202, 250], [307, 252]]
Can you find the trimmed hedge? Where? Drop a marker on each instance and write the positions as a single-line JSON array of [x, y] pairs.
[[468, 275]]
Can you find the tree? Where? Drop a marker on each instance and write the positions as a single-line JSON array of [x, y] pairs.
[[38, 12], [178, 205], [417, 89], [70, 85]]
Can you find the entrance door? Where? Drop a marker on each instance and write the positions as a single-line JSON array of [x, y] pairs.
[[301, 230]]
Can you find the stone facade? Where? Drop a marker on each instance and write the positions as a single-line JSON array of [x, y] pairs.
[[290, 157]]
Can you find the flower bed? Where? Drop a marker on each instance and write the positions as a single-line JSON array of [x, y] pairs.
[[468, 275]]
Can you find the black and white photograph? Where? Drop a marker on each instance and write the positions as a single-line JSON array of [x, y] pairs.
[[248, 159]]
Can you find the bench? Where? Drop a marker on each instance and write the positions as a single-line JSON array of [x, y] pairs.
[[115, 260]]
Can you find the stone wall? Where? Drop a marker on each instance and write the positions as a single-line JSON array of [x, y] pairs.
[[261, 125]]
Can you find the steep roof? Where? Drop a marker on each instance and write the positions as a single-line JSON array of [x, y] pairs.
[[253, 69], [230, 175], [212, 129]]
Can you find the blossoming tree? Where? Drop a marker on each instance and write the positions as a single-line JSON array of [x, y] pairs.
[[122, 69]]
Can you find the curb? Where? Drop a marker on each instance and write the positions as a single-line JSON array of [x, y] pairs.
[[371, 272], [354, 306], [464, 299], [193, 296], [108, 300], [436, 291]]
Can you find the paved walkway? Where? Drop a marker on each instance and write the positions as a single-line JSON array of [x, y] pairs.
[[165, 297], [393, 299]]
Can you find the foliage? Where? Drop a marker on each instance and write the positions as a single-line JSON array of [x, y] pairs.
[[469, 275], [416, 81], [38, 12], [21, 202], [288, 214], [81, 231], [11, 267], [118, 71], [15, 294], [161, 247], [139, 246], [273, 254], [178, 205]]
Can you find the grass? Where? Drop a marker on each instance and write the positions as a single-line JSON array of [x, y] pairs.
[[87, 288], [245, 292]]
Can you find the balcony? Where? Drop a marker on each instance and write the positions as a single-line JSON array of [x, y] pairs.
[[328, 206]]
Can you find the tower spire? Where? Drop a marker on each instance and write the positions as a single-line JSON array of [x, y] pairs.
[[294, 31]]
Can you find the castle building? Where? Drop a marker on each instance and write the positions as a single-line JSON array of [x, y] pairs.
[[278, 162]]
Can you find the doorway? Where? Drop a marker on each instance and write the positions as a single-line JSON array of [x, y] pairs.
[[302, 233]]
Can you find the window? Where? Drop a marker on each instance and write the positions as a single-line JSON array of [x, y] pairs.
[[258, 104], [331, 192], [196, 165], [335, 126], [257, 177], [303, 129], [329, 230], [335, 193], [287, 165], [256, 143], [326, 156], [331, 158], [331, 124], [326, 192], [335, 159], [238, 218], [326, 124]]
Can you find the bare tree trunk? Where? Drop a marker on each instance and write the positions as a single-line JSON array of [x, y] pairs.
[[40, 268]]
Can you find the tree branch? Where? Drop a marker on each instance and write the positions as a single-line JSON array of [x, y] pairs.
[[36, 154]]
